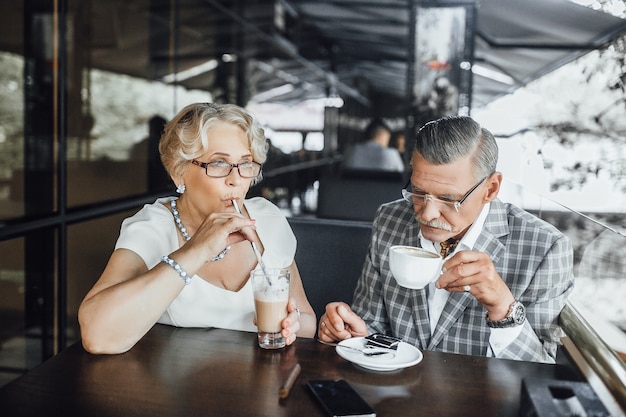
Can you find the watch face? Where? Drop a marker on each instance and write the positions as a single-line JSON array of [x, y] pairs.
[[519, 313]]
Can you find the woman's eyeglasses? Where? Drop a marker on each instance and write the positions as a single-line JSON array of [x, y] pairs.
[[221, 169]]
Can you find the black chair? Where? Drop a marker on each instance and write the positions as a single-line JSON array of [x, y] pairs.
[[357, 196], [330, 257]]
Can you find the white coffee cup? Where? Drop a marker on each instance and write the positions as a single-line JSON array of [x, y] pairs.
[[414, 267]]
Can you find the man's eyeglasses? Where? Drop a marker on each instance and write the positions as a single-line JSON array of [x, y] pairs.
[[419, 198], [221, 169]]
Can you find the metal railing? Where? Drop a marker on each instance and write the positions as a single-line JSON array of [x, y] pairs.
[[602, 359]]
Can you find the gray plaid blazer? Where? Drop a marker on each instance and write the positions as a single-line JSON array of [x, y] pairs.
[[531, 256]]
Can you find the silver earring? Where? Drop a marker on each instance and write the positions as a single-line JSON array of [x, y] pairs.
[[181, 188]]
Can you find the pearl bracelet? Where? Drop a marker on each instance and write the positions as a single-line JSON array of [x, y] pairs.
[[181, 272]]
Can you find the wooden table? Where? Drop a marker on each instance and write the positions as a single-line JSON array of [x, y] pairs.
[[214, 372]]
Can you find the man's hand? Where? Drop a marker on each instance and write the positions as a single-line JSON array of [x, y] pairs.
[[475, 273], [340, 323]]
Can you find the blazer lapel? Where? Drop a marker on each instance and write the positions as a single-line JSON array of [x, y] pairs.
[[454, 308], [421, 317], [495, 227]]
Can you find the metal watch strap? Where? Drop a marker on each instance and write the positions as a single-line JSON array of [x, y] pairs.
[[515, 317]]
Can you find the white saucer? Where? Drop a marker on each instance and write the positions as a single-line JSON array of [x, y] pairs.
[[406, 355]]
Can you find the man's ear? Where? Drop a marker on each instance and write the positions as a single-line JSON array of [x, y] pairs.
[[493, 183]]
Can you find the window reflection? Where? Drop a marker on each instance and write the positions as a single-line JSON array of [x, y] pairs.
[[119, 155], [11, 135]]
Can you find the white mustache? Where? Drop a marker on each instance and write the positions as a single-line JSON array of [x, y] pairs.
[[436, 224]]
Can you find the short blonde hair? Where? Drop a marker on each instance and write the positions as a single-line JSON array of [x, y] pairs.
[[185, 137]]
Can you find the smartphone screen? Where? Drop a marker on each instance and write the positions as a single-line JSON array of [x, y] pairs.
[[339, 399]]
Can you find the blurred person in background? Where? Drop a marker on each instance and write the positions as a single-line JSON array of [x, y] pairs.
[[374, 154], [398, 141]]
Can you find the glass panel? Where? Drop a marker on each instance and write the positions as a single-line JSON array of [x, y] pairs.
[[26, 185], [11, 135], [87, 256], [441, 81], [27, 112], [599, 241], [14, 342], [119, 96]]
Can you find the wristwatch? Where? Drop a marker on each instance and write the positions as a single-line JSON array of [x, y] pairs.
[[515, 317]]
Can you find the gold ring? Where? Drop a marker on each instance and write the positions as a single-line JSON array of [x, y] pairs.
[[322, 324]]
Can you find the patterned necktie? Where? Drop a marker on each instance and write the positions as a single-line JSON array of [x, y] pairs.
[[447, 247]]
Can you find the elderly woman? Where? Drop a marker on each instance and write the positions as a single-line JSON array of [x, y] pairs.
[[186, 261]]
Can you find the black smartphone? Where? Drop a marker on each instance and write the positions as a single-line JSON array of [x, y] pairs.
[[383, 340], [339, 399]]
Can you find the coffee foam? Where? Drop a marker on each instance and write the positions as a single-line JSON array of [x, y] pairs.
[[420, 253]]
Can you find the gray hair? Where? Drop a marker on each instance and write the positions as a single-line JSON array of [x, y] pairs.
[[445, 140], [185, 137]]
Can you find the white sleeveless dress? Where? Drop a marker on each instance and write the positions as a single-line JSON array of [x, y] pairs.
[[151, 233]]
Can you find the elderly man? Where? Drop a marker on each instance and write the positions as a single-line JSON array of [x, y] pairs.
[[506, 274]]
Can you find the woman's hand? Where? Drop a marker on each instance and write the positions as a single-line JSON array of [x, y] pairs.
[[220, 230], [291, 323]]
